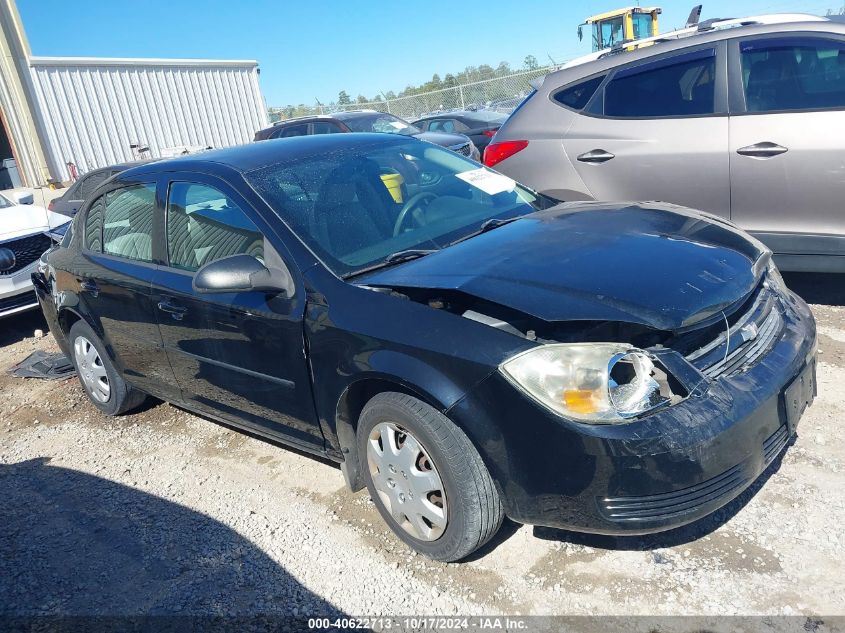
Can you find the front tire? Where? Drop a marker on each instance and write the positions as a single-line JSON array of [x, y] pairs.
[[426, 478], [97, 374]]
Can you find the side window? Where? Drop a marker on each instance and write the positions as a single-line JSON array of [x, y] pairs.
[[94, 226], [89, 184], [128, 222], [793, 74], [442, 125], [577, 96], [325, 127], [681, 86], [204, 225], [293, 130]]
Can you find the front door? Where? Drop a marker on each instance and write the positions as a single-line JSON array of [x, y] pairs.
[[787, 144], [239, 356], [658, 131]]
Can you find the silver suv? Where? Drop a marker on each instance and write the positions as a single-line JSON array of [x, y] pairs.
[[747, 123]]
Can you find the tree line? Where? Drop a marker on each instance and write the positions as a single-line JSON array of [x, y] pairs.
[[469, 75]]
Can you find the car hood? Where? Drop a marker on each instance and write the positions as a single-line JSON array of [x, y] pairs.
[[442, 138], [27, 219], [658, 265]]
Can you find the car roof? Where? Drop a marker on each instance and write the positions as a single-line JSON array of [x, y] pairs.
[[245, 158], [354, 114], [482, 114], [118, 167], [611, 61]]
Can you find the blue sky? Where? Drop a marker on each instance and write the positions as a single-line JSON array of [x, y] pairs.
[[310, 50]]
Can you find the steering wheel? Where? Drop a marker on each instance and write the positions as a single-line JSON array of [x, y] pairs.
[[409, 206]]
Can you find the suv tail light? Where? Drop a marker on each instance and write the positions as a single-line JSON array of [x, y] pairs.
[[497, 152]]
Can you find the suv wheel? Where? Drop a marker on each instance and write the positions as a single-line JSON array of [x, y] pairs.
[[426, 478], [106, 389]]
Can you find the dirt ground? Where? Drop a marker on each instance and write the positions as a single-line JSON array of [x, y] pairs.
[[162, 511]]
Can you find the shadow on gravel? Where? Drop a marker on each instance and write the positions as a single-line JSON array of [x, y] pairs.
[[670, 538], [818, 288], [17, 327], [73, 544]]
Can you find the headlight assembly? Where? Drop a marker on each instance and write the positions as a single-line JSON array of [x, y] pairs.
[[597, 383]]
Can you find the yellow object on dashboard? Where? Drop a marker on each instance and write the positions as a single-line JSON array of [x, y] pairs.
[[394, 183]]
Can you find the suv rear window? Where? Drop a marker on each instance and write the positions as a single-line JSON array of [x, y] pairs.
[[680, 86], [577, 96]]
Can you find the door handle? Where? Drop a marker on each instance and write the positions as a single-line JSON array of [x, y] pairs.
[[177, 312], [596, 156], [766, 149], [90, 287]]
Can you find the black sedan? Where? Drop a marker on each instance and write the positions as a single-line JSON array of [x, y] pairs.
[[463, 347], [479, 125]]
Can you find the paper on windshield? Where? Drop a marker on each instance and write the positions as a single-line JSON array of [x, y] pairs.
[[489, 182], [398, 125]]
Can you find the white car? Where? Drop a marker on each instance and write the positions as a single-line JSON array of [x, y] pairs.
[[26, 231]]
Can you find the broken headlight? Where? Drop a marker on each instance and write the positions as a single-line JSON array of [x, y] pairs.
[[774, 278], [598, 383]]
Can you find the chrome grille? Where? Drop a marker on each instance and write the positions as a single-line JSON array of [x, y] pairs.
[[463, 150], [26, 250], [754, 333]]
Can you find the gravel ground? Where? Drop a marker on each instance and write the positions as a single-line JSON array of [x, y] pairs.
[[165, 512]]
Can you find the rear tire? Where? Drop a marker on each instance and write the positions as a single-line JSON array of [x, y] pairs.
[[426, 478], [97, 374]]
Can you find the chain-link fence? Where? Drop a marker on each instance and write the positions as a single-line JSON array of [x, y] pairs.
[[502, 94]]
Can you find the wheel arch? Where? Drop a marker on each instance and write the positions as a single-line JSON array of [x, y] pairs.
[[348, 411]]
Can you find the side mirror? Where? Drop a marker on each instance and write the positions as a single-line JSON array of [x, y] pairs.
[[243, 273], [7, 259], [24, 197]]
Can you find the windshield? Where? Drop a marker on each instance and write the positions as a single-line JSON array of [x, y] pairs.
[[380, 122], [356, 206], [607, 33]]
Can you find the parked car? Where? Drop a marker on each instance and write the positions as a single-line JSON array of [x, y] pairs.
[[26, 231], [746, 122], [479, 125], [367, 121], [73, 197], [468, 351]]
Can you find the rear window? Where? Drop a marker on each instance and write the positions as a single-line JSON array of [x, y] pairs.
[[681, 86], [577, 96]]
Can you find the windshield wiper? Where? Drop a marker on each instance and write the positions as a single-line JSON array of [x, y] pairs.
[[394, 258], [487, 225], [404, 256]]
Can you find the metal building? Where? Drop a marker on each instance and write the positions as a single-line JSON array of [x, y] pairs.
[[62, 114]]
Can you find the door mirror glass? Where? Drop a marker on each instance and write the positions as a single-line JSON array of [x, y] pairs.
[[7, 259], [24, 197], [243, 273]]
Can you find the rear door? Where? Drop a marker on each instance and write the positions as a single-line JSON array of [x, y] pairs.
[[657, 130], [114, 272], [239, 356], [787, 145]]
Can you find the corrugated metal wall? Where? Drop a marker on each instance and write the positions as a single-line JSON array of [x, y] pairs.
[[93, 110]]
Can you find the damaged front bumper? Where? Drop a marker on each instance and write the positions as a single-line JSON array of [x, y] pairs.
[[655, 473]]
